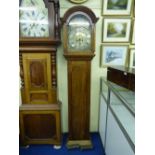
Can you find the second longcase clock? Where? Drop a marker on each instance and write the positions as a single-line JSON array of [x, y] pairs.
[[79, 47]]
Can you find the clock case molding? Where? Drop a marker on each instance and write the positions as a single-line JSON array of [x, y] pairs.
[[78, 1], [40, 111], [79, 71]]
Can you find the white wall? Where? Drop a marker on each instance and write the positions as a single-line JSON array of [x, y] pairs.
[[96, 71]]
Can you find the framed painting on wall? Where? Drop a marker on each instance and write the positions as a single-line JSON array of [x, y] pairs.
[[132, 58], [117, 7], [114, 55], [116, 30], [133, 34]]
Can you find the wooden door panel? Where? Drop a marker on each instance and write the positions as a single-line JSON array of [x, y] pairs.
[[40, 126], [38, 74], [37, 77]]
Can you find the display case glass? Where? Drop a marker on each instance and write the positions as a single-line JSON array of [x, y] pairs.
[[104, 90], [121, 102]]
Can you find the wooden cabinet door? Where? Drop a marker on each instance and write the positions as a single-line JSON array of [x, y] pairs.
[[40, 124], [37, 77]]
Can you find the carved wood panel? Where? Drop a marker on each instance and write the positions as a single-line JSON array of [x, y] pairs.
[[45, 123], [37, 77], [40, 124]]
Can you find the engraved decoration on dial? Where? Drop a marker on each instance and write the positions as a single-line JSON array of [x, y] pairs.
[[33, 19], [79, 34]]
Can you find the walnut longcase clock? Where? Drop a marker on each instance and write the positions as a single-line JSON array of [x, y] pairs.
[[79, 47], [39, 26]]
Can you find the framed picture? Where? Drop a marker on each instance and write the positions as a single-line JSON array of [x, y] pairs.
[[117, 7], [114, 55], [116, 30], [132, 58], [133, 34]]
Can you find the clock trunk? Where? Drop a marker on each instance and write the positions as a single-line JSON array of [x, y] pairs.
[[79, 99]]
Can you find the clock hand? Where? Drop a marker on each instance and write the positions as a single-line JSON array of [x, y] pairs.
[[27, 14], [25, 28], [43, 29], [29, 33], [32, 2]]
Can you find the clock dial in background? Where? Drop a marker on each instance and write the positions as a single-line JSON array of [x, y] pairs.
[[79, 34], [34, 23], [36, 3], [33, 19]]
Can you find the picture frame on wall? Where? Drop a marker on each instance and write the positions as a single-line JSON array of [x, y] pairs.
[[133, 34], [132, 58], [116, 30], [117, 7], [114, 55]]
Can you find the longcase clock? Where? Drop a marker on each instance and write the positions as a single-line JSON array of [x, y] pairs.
[[79, 47], [39, 26]]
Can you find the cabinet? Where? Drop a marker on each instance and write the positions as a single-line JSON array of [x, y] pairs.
[[122, 76], [117, 119]]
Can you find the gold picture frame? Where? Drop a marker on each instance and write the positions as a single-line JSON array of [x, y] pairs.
[[133, 34], [132, 58], [116, 30], [114, 55], [117, 7]]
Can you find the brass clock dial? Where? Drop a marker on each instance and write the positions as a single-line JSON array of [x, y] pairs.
[[79, 34], [79, 38]]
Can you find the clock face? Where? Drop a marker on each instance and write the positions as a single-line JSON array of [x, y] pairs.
[[79, 38], [79, 34], [34, 22]]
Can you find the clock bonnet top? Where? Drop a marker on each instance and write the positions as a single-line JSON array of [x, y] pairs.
[[79, 29]]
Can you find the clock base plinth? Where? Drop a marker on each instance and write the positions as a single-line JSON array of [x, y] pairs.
[[83, 144]]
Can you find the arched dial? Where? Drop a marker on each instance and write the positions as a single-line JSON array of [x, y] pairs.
[[34, 22], [79, 38], [79, 33]]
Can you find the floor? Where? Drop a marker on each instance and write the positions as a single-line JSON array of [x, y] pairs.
[[49, 150]]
